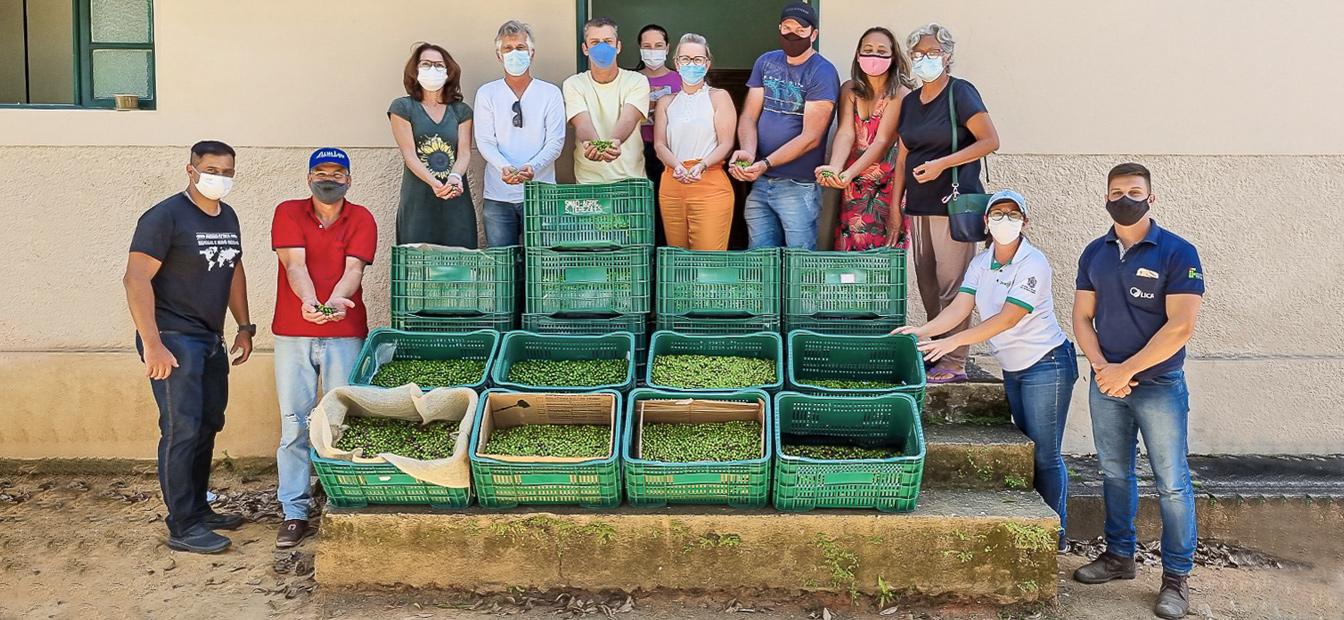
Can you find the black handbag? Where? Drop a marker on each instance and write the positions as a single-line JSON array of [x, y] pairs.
[[965, 212]]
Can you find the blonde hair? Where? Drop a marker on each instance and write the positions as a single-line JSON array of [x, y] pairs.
[[697, 39]]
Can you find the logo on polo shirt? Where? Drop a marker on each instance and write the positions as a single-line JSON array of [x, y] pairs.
[[1138, 294], [1030, 285], [1195, 274], [1146, 273]]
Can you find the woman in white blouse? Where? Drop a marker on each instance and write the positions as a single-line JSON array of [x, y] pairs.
[[1009, 284]]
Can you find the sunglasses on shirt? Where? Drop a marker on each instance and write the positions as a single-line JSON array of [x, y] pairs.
[[518, 114]]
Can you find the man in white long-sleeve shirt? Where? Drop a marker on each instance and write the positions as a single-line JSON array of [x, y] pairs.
[[520, 131]]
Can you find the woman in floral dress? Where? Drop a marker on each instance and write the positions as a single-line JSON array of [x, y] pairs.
[[880, 78], [432, 127]]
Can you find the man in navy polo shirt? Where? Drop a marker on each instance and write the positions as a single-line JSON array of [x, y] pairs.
[[1139, 292], [323, 243]]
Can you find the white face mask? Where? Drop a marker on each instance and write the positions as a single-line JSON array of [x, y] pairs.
[[214, 186], [928, 68], [432, 78], [653, 58], [1005, 231]]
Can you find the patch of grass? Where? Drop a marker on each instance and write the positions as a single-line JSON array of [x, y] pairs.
[[1030, 537], [1015, 482], [840, 562], [885, 593]]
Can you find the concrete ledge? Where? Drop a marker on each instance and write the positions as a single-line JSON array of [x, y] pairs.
[[955, 403], [978, 457], [992, 546]]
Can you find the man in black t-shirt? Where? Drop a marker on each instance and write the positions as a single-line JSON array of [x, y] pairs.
[[185, 269]]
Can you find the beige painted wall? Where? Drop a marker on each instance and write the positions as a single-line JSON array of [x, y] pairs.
[[1060, 76], [72, 184]]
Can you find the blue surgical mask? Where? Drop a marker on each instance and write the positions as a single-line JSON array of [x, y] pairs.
[[602, 55], [928, 68], [692, 74], [517, 62]]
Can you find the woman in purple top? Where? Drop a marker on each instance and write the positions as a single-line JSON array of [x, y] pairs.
[[653, 48]]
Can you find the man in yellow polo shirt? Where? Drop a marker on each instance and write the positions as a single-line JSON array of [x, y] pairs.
[[606, 104]]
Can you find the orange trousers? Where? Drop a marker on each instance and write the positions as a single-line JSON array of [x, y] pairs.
[[697, 216]]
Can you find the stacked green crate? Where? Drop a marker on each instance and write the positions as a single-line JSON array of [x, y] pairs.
[[855, 293], [842, 365], [718, 293], [441, 289], [588, 259]]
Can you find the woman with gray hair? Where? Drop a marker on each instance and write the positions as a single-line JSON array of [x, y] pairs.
[[925, 166], [693, 135]]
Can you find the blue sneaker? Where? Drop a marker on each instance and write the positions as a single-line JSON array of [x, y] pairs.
[[199, 539]]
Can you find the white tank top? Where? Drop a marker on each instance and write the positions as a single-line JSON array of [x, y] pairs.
[[690, 125]]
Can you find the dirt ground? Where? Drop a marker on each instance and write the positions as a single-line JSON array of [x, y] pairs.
[[93, 547]]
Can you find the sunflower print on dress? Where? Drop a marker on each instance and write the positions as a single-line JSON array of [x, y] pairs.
[[437, 155]]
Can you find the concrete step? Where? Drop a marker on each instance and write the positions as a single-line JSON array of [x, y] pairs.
[[996, 546], [1288, 506], [977, 457], [981, 402]]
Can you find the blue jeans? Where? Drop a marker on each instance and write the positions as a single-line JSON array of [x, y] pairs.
[[299, 364], [191, 412], [503, 223], [782, 212], [1039, 399], [1158, 408]]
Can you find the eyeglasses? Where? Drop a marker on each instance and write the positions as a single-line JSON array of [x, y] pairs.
[[429, 64], [997, 216], [331, 176], [699, 61], [920, 55], [518, 113]]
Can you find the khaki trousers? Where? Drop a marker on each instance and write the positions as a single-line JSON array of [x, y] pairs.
[[940, 264]]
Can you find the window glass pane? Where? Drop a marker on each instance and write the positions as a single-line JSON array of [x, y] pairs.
[[13, 72], [119, 21], [122, 72], [51, 52]]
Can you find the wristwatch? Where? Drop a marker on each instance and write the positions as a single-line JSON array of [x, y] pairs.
[[250, 329]]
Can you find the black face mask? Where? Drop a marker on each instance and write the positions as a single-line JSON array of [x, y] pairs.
[[328, 192], [794, 45], [1126, 211]]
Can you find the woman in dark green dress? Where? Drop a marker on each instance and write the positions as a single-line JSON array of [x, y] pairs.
[[432, 127]]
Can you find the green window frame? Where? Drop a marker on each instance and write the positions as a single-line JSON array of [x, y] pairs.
[[86, 49]]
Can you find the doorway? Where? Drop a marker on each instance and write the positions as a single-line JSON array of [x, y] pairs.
[[739, 31]]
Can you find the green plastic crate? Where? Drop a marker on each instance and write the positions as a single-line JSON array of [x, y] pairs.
[[868, 284], [595, 325], [888, 485], [614, 215], [740, 484], [890, 358], [764, 345], [592, 483], [519, 346], [715, 326], [728, 284], [457, 324], [843, 327], [615, 282], [394, 344], [352, 485], [454, 281]]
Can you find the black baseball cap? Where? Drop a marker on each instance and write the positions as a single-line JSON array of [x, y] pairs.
[[803, 12]]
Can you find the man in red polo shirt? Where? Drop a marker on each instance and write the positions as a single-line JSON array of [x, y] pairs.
[[323, 242]]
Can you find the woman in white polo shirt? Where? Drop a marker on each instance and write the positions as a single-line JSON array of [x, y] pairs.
[[1009, 284]]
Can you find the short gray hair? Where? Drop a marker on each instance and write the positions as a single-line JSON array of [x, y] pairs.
[[697, 39], [938, 32], [512, 28]]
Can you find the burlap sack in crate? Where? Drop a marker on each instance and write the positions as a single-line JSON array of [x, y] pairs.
[[403, 403]]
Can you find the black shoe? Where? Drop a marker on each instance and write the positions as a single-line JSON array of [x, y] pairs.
[[292, 532], [1173, 600], [199, 539], [1105, 568], [227, 521]]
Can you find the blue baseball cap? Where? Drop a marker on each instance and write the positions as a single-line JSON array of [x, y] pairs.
[[1007, 195], [329, 155]]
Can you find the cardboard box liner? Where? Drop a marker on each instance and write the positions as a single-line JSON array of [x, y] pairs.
[[403, 403], [692, 411], [519, 409]]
